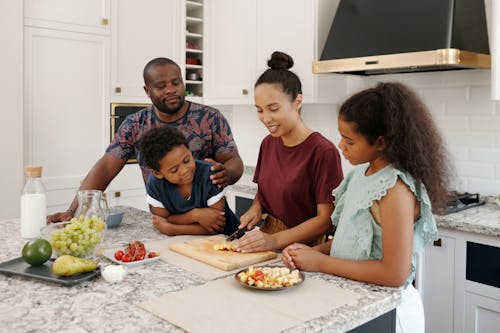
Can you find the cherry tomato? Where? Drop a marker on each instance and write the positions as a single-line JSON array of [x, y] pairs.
[[153, 254], [258, 275], [126, 258], [119, 255], [139, 256]]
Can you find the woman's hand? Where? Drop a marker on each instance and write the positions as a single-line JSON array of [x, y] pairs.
[[211, 219], [255, 241], [250, 219], [302, 257]]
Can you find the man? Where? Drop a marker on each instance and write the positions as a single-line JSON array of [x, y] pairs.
[[207, 131]]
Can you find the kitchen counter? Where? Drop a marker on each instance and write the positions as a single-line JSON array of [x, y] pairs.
[[483, 220], [98, 306]]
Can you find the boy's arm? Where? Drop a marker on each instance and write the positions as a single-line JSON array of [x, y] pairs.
[[161, 221], [211, 218]]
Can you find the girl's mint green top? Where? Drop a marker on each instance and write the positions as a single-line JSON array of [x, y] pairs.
[[358, 236]]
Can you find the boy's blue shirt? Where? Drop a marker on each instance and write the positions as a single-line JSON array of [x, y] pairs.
[[163, 194]]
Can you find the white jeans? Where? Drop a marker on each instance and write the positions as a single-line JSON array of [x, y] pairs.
[[410, 313]]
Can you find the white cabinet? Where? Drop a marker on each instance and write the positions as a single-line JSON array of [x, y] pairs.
[[230, 55], [66, 105], [482, 314], [88, 16], [257, 28], [460, 289], [140, 32], [438, 286]]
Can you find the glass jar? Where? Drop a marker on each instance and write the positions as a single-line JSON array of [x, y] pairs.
[[33, 203], [91, 205]]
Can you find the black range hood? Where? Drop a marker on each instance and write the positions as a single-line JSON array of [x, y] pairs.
[[395, 36]]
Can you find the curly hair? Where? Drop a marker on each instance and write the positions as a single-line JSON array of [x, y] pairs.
[[413, 141], [279, 73], [157, 142]]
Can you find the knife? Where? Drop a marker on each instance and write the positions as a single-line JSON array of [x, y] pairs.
[[236, 235]]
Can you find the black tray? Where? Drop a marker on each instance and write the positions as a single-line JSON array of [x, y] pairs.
[[44, 272]]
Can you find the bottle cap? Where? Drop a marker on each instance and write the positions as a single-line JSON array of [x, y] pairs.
[[33, 171]]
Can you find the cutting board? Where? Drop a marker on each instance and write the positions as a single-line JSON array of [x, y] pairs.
[[202, 249]]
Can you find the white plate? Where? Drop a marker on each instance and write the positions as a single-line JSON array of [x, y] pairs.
[[110, 254]]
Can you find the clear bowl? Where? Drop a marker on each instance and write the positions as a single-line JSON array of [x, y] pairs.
[[79, 238]]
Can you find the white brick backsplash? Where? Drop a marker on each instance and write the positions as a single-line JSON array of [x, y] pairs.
[[480, 93], [459, 153], [497, 174], [470, 139], [470, 77], [497, 140], [473, 169], [451, 123], [432, 95], [484, 155], [461, 107], [482, 124], [484, 186]]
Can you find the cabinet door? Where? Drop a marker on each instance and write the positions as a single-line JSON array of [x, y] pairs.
[[66, 106], [90, 16], [438, 285], [230, 42], [141, 32], [288, 26], [482, 314]]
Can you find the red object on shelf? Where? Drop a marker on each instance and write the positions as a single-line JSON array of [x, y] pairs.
[[193, 61]]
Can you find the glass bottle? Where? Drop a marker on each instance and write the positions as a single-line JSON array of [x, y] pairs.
[[33, 203]]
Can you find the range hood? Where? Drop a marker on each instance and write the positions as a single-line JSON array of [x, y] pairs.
[[396, 36]]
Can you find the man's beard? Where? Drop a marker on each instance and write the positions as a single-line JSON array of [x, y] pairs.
[[166, 110]]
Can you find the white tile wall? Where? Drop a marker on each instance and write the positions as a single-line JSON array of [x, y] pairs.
[[460, 102]]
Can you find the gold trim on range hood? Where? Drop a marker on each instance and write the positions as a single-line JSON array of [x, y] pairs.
[[441, 59]]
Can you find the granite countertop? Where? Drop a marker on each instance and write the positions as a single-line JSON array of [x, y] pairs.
[[484, 220], [97, 306]]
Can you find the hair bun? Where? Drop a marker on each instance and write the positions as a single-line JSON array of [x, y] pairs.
[[280, 60]]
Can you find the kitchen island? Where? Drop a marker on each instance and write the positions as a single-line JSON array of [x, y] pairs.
[[98, 306]]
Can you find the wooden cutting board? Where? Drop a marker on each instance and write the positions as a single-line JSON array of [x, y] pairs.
[[202, 249]]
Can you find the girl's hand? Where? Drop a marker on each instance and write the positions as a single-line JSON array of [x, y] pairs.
[[211, 219], [304, 257], [250, 218], [287, 258], [255, 241]]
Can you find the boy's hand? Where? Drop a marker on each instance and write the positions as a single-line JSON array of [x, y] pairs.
[[220, 175], [211, 219]]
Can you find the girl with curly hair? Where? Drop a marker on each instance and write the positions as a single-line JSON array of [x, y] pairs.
[[383, 208]]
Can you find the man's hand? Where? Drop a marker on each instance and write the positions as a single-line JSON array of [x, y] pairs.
[[59, 217], [220, 175]]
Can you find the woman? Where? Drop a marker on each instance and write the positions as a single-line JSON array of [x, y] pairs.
[[296, 171]]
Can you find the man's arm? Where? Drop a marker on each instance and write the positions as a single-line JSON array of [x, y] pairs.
[[226, 169], [98, 178]]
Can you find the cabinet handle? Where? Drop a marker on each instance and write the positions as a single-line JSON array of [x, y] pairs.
[[104, 21], [118, 90], [244, 92], [118, 194], [437, 242]]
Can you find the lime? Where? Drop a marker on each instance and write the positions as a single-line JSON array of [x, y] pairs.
[[36, 252]]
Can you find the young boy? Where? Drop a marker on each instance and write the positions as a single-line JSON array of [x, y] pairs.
[[181, 196]]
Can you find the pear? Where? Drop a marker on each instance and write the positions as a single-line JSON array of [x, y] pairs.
[[67, 265]]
